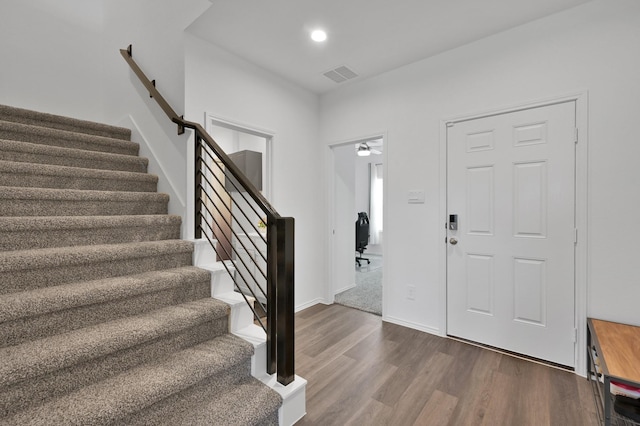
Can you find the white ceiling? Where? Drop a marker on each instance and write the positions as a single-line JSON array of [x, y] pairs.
[[368, 36]]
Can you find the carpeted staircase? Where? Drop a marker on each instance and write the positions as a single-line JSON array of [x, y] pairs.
[[103, 318]]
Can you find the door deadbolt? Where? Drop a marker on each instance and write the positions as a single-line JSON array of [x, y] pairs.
[[453, 222]]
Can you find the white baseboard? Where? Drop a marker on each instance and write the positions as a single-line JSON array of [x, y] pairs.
[[415, 326], [311, 303], [340, 290]]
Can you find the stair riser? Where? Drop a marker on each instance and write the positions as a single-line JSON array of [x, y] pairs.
[[19, 115], [208, 389], [32, 328], [14, 280], [64, 139], [79, 182], [29, 153], [25, 239], [30, 392], [36, 207]]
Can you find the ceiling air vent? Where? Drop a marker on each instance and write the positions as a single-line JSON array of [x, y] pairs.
[[340, 74]]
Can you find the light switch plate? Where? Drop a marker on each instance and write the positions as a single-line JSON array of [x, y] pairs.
[[416, 196]]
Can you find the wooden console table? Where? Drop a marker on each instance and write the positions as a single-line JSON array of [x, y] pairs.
[[618, 350]]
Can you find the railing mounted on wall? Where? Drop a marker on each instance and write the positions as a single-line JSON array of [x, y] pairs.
[[231, 213]]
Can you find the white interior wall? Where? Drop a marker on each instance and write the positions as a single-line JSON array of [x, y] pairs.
[[592, 47], [230, 88], [155, 28], [63, 57], [51, 56], [227, 139]]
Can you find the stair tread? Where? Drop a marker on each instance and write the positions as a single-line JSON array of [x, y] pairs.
[[35, 232], [50, 136], [64, 156], [140, 387], [25, 116], [49, 257], [247, 403], [29, 201], [26, 193], [33, 175], [67, 296], [53, 170], [35, 358], [43, 223]]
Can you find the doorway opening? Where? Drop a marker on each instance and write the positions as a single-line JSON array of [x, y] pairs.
[[234, 138], [357, 217], [239, 234]]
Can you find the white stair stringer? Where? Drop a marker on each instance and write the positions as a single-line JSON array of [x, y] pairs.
[[293, 395], [241, 324], [205, 257], [241, 315], [222, 289]]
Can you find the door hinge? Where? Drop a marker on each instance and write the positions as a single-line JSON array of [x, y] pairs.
[[575, 135], [575, 335], [575, 235]]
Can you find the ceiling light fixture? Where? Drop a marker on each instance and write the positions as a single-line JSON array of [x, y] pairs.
[[318, 36], [363, 150]]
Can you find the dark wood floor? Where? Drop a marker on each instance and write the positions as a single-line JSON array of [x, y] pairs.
[[362, 371]]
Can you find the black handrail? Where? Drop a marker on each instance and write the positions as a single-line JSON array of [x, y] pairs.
[[280, 240]]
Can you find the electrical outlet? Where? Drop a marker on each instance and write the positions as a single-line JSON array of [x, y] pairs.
[[411, 292]]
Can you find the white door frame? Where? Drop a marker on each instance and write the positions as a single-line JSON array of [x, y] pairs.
[[581, 212], [330, 182], [268, 136]]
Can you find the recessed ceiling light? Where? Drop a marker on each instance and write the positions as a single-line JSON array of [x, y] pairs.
[[318, 35]]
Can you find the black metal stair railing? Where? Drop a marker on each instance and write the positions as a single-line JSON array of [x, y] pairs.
[[231, 214]]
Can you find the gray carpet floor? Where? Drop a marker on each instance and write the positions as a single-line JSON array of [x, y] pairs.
[[367, 294]]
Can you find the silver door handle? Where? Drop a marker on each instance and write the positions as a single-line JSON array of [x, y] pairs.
[[453, 241]]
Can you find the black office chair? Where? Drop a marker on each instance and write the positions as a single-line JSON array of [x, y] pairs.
[[362, 236]]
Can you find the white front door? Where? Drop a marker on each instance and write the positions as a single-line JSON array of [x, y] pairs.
[[510, 263]]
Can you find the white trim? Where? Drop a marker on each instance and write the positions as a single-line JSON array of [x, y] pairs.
[[329, 161], [345, 288], [582, 223], [416, 326], [581, 210], [442, 235], [166, 184], [268, 135], [138, 136], [329, 172], [316, 301], [573, 96]]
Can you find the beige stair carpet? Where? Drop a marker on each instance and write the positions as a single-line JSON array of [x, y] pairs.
[[103, 317]]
